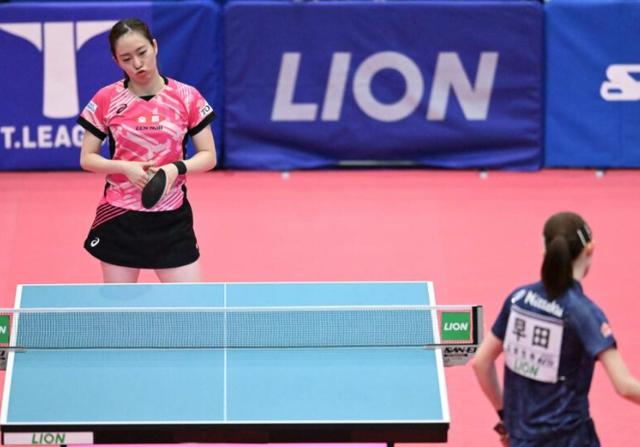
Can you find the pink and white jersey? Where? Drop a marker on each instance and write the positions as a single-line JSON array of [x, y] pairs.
[[143, 130]]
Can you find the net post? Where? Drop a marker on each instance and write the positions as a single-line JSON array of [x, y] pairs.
[[458, 354], [478, 325]]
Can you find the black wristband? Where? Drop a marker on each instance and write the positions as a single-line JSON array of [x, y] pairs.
[[182, 168], [500, 414]]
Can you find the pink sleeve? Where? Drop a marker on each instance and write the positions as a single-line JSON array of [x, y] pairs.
[[94, 112], [199, 110]]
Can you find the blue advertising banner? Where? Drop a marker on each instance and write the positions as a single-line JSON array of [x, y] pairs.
[[56, 56], [593, 84], [444, 84]]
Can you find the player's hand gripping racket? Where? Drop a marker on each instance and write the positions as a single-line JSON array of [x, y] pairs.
[[154, 189], [161, 181]]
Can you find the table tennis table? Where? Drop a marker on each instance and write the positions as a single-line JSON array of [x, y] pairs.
[[357, 394]]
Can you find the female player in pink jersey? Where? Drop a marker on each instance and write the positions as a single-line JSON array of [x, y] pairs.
[[148, 119]]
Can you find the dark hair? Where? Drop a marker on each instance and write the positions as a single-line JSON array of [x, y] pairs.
[[123, 27], [565, 236]]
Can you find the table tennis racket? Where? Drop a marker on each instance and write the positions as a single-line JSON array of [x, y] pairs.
[[154, 189]]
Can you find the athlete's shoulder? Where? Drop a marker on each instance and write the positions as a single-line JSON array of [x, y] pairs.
[[110, 90], [520, 292], [517, 294], [199, 111], [528, 298], [181, 89], [171, 82], [533, 297], [588, 319], [96, 109], [578, 302]]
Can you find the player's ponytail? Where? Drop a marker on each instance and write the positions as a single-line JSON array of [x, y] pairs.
[[557, 267], [565, 236]]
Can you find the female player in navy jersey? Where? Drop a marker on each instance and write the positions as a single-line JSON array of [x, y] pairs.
[[551, 334], [148, 118]]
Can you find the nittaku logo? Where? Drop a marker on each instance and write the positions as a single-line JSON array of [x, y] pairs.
[[95, 241], [535, 300], [621, 84]]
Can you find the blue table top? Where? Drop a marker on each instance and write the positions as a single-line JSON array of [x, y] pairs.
[[316, 386]]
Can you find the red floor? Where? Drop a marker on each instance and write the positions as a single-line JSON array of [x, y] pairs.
[[475, 238]]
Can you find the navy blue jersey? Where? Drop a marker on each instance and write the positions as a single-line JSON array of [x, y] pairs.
[[550, 349]]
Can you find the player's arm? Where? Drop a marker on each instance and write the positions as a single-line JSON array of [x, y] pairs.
[[205, 157], [485, 369], [92, 160], [625, 384], [203, 160], [484, 366]]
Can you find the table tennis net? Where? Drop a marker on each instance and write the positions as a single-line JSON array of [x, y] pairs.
[[195, 328]]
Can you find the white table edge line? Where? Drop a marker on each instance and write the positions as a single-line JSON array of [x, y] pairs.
[[8, 378], [241, 283], [442, 381], [230, 422], [225, 356]]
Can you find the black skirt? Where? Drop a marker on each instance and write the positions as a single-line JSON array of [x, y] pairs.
[[140, 239]]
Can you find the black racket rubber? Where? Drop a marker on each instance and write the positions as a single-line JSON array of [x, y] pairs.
[[154, 189]]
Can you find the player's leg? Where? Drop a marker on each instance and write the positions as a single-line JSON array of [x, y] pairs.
[[185, 273], [119, 274]]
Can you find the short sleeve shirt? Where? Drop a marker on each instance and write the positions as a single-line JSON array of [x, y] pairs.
[[550, 349], [143, 130]]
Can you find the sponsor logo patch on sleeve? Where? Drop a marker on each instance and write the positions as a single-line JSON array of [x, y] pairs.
[[205, 110], [92, 107], [606, 330]]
